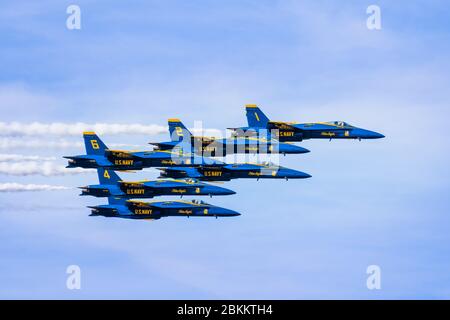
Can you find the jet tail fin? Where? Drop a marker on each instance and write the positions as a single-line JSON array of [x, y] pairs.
[[108, 177], [94, 145], [177, 130], [255, 117]]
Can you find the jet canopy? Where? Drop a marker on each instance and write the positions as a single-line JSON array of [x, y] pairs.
[[341, 124], [269, 164], [198, 202]]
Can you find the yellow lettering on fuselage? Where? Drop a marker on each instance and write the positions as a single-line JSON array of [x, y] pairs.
[[135, 191], [142, 211], [212, 173], [184, 211], [179, 190], [254, 173], [285, 134], [167, 162], [121, 162], [328, 134]]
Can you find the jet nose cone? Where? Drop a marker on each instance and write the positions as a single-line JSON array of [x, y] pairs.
[[377, 135], [303, 150], [367, 134], [293, 149], [223, 212], [294, 174], [231, 213], [372, 135], [225, 191], [216, 191]]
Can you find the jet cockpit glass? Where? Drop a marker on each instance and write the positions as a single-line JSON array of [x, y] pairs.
[[341, 124], [268, 164]]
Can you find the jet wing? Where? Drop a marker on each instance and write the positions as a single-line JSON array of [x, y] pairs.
[[111, 190], [116, 192], [282, 126], [189, 171], [244, 166], [103, 162], [99, 160], [152, 154], [170, 184], [165, 145], [168, 205], [176, 205]]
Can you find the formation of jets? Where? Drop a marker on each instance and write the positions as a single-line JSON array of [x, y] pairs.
[[185, 164]]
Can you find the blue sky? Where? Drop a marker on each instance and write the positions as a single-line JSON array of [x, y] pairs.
[[372, 202]]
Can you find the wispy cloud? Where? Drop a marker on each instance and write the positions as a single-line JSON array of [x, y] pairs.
[[18, 187], [72, 129], [20, 157]]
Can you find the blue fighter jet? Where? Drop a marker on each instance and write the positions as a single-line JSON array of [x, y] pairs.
[[133, 209], [183, 139], [260, 125], [234, 171], [112, 185], [98, 155]]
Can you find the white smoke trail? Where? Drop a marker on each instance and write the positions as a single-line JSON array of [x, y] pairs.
[[216, 133], [20, 157], [11, 143], [38, 168], [18, 187], [73, 129]]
